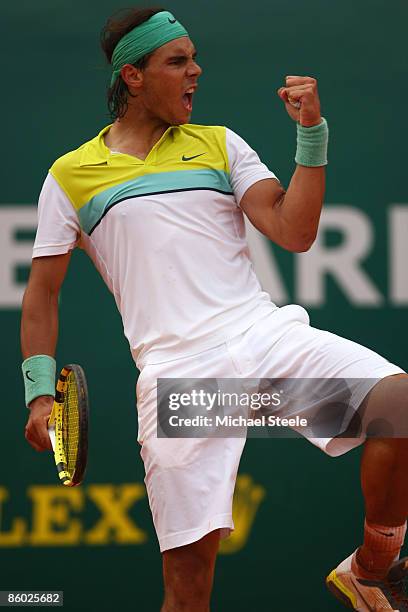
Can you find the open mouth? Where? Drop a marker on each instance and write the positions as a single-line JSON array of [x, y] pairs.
[[188, 99]]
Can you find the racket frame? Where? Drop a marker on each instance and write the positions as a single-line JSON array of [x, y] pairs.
[[55, 426]]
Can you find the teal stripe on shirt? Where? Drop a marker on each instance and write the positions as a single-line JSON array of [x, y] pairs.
[[93, 211]]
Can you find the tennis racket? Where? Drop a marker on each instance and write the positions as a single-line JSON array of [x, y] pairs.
[[68, 425]]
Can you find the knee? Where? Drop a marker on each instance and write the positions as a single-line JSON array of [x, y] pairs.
[[385, 409], [393, 388]]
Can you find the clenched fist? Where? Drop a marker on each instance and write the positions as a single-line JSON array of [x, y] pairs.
[[301, 100]]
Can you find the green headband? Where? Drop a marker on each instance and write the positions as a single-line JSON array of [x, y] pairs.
[[160, 29]]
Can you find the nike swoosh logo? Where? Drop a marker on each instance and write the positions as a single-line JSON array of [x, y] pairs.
[[184, 158], [387, 535], [27, 375], [171, 20]]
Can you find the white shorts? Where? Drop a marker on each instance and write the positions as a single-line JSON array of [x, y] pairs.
[[190, 481]]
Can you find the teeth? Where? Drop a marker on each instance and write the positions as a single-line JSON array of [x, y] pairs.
[[190, 90]]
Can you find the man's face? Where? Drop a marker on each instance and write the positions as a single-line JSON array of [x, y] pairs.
[[169, 82]]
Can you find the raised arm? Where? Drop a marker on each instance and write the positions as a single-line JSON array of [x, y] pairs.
[[39, 331], [291, 218]]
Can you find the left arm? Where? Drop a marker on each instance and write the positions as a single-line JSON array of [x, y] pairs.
[[291, 218]]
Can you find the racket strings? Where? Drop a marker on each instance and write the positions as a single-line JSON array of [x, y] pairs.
[[71, 424]]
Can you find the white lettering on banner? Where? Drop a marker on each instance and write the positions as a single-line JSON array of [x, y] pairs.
[[343, 262], [13, 252], [398, 254]]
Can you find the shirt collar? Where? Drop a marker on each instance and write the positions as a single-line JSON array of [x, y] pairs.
[[95, 151]]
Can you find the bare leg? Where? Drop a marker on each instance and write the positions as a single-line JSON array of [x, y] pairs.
[[384, 477], [384, 469], [188, 573], [384, 465]]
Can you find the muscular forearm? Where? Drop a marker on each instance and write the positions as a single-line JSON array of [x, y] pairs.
[[39, 322], [301, 205], [39, 331], [291, 218]]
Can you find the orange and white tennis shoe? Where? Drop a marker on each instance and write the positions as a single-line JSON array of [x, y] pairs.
[[370, 595]]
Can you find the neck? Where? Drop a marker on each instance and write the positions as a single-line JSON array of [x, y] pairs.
[[135, 134]]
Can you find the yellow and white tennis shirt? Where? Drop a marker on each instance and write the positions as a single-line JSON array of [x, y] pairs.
[[166, 234]]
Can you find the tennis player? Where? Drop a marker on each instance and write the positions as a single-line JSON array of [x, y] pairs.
[[158, 204]]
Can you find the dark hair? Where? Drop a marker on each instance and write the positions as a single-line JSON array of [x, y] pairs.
[[119, 24]]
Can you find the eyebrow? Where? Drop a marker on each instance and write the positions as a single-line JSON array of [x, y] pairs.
[[181, 54]]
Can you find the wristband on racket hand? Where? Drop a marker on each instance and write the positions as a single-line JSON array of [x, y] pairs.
[[312, 144], [39, 377]]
